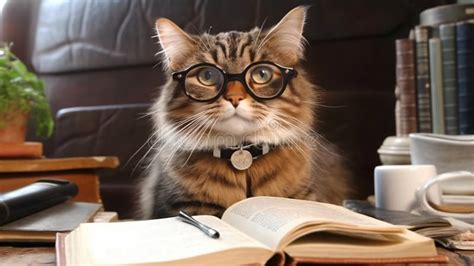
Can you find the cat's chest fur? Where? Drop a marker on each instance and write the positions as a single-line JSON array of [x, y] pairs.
[[202, 184], [277, 173]]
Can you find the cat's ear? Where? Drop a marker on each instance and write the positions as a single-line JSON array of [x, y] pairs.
[[176, 44], [286, 38]]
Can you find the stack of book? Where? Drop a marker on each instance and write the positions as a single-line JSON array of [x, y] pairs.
[[435, 73]]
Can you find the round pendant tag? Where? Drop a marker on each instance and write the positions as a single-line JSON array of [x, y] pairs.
[[241, 159]]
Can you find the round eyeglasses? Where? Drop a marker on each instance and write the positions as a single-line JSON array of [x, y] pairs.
[[263, 80]]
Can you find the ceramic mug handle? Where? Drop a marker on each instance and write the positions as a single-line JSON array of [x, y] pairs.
[[421, 194]]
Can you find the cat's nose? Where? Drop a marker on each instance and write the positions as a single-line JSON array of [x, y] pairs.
[[235, 93]]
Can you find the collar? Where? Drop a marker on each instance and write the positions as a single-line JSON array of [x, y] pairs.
[[242, 156]]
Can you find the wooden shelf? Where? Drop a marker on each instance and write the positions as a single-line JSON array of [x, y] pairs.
[[60, 164]]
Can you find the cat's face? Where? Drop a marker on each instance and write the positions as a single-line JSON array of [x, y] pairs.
[[237, 114]]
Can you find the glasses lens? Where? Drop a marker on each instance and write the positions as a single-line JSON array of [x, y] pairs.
[[265, 80], [203, 82]]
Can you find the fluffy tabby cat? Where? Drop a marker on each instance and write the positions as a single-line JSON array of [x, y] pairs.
[[184, 174]]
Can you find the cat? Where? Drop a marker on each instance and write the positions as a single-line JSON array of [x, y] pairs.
[[221, 98]]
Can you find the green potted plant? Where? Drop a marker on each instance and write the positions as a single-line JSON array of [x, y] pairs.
[[22, 97]]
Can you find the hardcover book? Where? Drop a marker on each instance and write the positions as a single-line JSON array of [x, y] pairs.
[[406, 83], [422, 34], [450, 94], [256, 230], [465, 67], [426, 225], [436, 76]]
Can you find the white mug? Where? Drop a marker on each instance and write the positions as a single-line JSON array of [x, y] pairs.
[[396, 186]]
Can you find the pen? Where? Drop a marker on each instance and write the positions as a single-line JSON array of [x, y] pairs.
[[190, 220]]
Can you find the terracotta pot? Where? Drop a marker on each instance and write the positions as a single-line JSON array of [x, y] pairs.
[[14, 130]]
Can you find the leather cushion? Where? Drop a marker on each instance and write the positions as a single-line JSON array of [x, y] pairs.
[[85, 35]]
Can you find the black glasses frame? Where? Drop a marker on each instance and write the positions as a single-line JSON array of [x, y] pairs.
[[287, 72]]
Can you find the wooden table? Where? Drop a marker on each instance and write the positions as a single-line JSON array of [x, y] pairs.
[[27, 256], [46, 256]]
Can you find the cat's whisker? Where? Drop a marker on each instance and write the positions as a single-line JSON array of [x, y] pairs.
[[331, 106], [257, 39], [178, 148], [177, 125], [299, 122], [261, 120], [197, 135], [164, 147], [205, 41], [314, 138], [145, 115], [295, 142], [160, 134], [153, 135], [163, 51], [305, 127], [211, 125], [210, 130], [152, 161], [319, 104], [156, 65], [171, 135], [281, 121], [167, 140], [175, 131], [264, 40], [188, 136], [270, 119]]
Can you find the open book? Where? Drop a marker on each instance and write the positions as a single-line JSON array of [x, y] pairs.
[[252, 231]]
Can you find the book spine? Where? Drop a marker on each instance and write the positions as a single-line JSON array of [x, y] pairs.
[[406, 84], [465, 67], [436, 76], [448, 46], [434, 31], [423, 79]]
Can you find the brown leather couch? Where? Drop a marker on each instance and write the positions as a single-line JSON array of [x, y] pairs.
[[98, 61]]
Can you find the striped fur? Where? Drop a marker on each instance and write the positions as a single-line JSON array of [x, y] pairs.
[[183, 174]]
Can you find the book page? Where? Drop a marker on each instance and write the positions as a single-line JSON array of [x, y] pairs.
[[271, 219], [154, 241], [324, 244]]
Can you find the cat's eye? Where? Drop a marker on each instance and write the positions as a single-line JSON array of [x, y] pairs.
[[261, 74], [203, 82], [208, 76], [265, 80]]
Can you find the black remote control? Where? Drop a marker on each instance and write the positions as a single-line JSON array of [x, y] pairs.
[[38, 196]]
